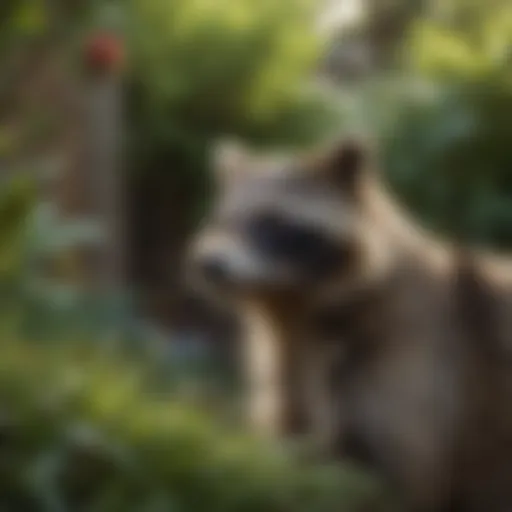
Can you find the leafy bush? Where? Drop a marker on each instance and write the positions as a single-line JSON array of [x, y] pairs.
[[443, 123], [84, 430], [463, 41], [450, 159], [203, 69], [33, 237]]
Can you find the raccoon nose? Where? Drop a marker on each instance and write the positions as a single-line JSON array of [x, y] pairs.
[[215, 270]]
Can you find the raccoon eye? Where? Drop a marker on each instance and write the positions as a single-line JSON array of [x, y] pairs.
[[278, 236], [304, 247]]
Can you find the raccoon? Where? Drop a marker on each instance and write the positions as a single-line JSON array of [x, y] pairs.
[[362, 330]]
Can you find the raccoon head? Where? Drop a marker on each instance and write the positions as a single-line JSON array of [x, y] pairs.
[[285, 224]]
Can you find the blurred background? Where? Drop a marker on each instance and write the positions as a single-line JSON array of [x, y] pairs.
[[117, 386]]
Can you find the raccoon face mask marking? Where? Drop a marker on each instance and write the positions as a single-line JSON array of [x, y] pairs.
[[308, 251]]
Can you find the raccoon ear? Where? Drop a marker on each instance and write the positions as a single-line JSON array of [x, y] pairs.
[[229, 158], [345, 164]]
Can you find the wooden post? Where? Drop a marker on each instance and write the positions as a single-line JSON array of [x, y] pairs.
[[91, 186], [99, 167], [103, 133]]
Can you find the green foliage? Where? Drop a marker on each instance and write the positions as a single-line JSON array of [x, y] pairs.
[[32, 237], [451, 157], [208, 68], [443, 124], [464, 41], [451, 160], [16, 201], [21, 20], [83, 430], [445, 151]]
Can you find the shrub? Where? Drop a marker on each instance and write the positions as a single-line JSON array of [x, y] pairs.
[[84, 430], [203, 69], [443, 129]]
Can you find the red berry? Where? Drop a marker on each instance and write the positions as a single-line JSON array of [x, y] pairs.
[[104, 52]]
